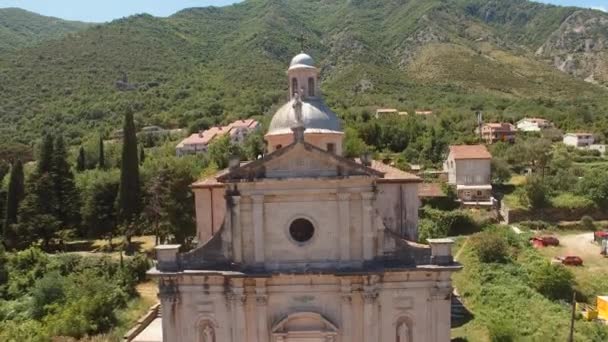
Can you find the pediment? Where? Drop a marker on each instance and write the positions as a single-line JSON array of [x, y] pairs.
[[300, 160]]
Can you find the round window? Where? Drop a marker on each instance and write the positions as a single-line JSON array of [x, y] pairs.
[[301, 230]]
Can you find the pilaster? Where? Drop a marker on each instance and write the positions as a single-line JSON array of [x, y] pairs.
[[370, 309], [440, 304], [261, 299], [347, 309], [237, 245], [238, 299], [344, 213], [258, 228], [368, 232]]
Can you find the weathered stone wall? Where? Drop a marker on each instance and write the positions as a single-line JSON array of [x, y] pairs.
[[348, 308]]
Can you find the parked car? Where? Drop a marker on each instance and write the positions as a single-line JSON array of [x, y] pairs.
[[544, 241], [601, 235], [569, 260]]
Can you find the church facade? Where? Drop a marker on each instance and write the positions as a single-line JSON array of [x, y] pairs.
[[304, 245]]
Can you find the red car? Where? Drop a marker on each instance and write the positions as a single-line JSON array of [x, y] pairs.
[[570, 260], [543, 241], [601, 235]]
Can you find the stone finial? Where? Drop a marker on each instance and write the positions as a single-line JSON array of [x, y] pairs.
[[441, 251], [167, 258]]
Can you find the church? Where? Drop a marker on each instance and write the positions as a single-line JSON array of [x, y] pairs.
[[305, 245]]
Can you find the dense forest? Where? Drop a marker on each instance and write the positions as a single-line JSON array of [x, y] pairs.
[[208, 65]]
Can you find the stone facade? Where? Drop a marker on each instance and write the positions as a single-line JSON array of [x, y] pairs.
[[304, 245]]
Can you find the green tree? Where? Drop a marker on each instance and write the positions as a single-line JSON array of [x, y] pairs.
[[594, 185], [98, 211], [16, 192], [536, 193], [36, 213], [81, 162], [129, 197], [354, 146], [101, 158], [67, 205], [45, 156], [219, 151], [500, 171], [3, 271], [142, 154]]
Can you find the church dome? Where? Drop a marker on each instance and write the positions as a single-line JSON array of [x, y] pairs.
[[316, 116], [302, 61]]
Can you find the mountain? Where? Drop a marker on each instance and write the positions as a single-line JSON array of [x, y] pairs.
[[204, 65], [20, 28]]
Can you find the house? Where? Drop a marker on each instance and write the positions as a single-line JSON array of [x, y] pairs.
[[305, 245], [533, 124], [601, 148], [199, 142], [494, 132], [386, 111], [468, 168], [578, 139], [424, 112]]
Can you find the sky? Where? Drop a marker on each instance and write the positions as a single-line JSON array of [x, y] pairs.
[[107, 10]]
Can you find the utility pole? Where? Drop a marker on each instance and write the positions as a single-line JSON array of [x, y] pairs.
[[571, 337]]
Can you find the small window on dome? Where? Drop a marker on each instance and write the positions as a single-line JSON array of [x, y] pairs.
[[301, 230], [311, 86]]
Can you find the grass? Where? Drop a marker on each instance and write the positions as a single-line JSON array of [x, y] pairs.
[[143, 244], [571, 201]]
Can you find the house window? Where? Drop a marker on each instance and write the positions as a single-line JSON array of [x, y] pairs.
[[331, 148], [294, 85], [311, 86], [301, 230], [479, 193], [278, 147]]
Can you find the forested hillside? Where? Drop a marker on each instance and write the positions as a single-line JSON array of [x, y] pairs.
[[19, 28], [206, 65]]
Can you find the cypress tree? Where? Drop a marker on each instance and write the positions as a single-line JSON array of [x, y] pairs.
[[67, 205], [129, 197], [102, 157], [45, 158], [81, 161], [14, 197], [142, 154]]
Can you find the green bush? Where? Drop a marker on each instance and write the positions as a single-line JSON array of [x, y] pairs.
[[490, 246], [552, 281]]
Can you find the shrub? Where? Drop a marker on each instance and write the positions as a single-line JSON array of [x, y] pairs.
[[47, 290], [552, 281], [490, 246], [428, 229], [587, 223]]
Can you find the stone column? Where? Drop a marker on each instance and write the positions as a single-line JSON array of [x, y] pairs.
[[347, 309], [262, 310], [258, 228], [344, 212], [238, 299], [237, 241], [368, 231]]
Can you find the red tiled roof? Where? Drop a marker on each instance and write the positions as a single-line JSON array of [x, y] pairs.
[[392, 173], [429, 190], [205, 137], [470, 152]]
